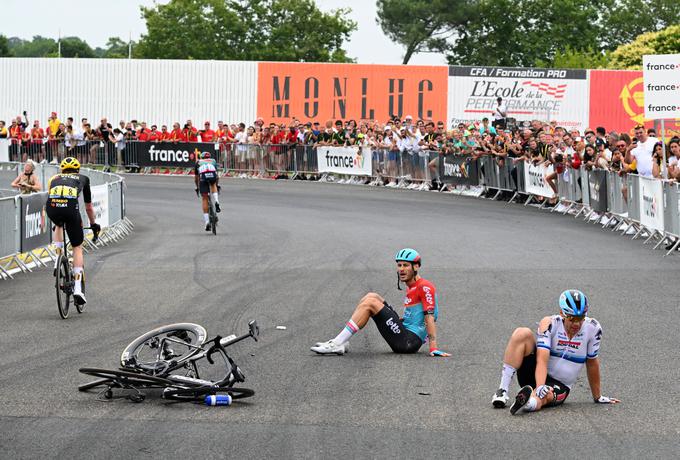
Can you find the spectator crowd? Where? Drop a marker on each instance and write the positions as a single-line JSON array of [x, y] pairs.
[[408, 148]]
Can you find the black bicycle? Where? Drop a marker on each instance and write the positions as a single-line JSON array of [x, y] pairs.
[[212, 214], [179, 360], [64, 278]]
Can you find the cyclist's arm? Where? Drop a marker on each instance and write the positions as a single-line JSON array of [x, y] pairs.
[[593, 371], [543, 344], [431, 328]]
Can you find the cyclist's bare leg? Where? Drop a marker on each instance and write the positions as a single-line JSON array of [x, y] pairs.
[[58, 239], [522, 343], [369, 306], [204, 206], [213, 191]]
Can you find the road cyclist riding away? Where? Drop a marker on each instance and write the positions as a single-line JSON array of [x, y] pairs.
[[403, 335], [206, 179], [64, 211], [548, 363]]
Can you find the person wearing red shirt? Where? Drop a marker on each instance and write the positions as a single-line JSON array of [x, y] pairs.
[[207, 134], [37, 135], [165, 135], [177, 135], [16, 134], [190, 133], [291, 141], [154, 135]]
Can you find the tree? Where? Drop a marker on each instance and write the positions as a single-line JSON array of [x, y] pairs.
[[75, 47], [38, 47], [116, 48], [276, 30], [574, 59], [527, 32], [4, 47], [423, 25], [624, 20], [629, 56]]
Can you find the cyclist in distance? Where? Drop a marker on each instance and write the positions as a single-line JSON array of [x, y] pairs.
[[403, 335], [63, 210], [206, 180], [548, 363]]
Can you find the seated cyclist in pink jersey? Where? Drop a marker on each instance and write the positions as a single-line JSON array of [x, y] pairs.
[[403, 335]]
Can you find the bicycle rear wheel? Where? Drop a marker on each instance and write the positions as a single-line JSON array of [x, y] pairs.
[[213, 218], [153, 352], [63, 285], [197, 394], [80, 307]]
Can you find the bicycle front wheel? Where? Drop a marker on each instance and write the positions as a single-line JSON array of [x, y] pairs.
[[63, 285], [152, 352], [213, 218]]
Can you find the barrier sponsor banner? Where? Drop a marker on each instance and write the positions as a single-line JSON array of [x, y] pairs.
[[100, 203], [319, 92], [173, 155], [534, 180], [35, 227], [651, 203], [344, 160], [458, 170], [597, 187], [4, 149], [544, 94], [661, 75]]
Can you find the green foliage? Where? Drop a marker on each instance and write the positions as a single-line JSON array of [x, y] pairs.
[[629, 56], [276, 30], [575, 59], [38, 47], [74, 47], [624, 20], [422, 25], [4, 47]]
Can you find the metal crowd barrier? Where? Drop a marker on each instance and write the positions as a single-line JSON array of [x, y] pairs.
[[25, 233]]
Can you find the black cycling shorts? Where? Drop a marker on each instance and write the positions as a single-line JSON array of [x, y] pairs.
[[70, 220], [391, 327], [204, 185], [526, 375]]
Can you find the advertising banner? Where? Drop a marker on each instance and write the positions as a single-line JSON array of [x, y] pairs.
[[534, 180], [651, 203], [617, 100], [100, 203], [321, 92], [458, 170], [173, 155], [354, 161], [661, 76], [542, 94], [35, 227], [597, 187]]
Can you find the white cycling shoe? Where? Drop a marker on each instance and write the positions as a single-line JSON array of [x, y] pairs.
[[500, 399], [329, 348], [79, 298]]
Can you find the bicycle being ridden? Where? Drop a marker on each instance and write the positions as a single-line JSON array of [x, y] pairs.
[[207, 183], [64, 211]]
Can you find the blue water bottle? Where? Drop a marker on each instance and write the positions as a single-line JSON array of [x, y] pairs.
[[218, 400]]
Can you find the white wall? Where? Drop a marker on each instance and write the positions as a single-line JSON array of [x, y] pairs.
[[156, 91]]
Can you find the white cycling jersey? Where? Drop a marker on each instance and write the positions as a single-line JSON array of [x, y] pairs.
[[567, 356]]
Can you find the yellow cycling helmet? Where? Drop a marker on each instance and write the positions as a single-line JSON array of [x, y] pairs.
[[69, 163]]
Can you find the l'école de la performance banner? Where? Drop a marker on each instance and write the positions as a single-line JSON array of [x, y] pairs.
[[35, 227], [354, 161], [542, 94], [173, 155], [100, 203], [534, 180], [651, 203], [458, 170]]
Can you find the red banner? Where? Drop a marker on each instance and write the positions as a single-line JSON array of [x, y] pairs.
[[617, 100], [321, 92]]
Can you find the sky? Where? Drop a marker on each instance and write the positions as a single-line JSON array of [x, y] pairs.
[[96, 20]]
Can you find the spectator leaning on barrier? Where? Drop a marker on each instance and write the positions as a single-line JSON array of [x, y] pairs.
[[674, 159], [118, 139], [27, 182], [4, 132]]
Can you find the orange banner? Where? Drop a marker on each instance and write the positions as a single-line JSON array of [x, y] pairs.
[[321, 92]]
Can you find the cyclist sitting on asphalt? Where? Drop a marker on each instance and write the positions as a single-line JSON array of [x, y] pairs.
[[548, 363], [63, 210], [405, 335], [206, 179]]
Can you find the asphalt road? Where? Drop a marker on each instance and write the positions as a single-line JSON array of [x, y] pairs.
[[300, 255]]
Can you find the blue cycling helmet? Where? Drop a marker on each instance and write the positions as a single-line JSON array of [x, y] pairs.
[[573, 303], [205, 155], [408, 255]]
